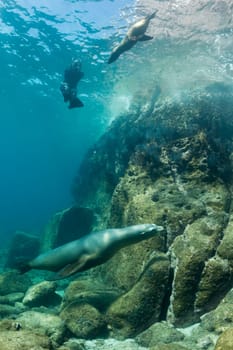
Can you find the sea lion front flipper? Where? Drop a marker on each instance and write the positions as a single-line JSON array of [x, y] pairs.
[[145, 37], [70, 269]]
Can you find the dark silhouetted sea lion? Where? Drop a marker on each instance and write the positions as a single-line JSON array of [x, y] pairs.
[[135, 33], [89, 251], [68, 87]]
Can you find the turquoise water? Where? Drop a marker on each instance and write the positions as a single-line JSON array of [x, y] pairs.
[[42, 142]]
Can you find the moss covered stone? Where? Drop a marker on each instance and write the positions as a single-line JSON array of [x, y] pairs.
[[189, 253], [161, 332], [142, 304], [83, 320], [225, 341]]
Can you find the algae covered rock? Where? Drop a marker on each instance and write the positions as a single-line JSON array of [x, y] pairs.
[[225, 341], [42, 293], [215, 280], [11, 298], [91, 292], [101, 344], [173, 346], [45, 324], [160, 332], [220, 318], [189, 253], [7, 310], [83, 320], [135, 310], [13, 282], [225, 248], [25, 340]]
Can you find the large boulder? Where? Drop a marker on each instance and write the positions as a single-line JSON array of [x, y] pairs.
[[162, 333], [26, 340], [43, 323], [144, 301], [42, 294], [172, 165], [83, 320], [67, 225], [92, 292], [225, 341]]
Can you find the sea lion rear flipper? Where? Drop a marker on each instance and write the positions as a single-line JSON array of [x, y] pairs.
[[75, 102], [145, 38], [70, 269]]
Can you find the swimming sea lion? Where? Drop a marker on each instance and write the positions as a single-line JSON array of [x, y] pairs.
[[90, 250], [68, 87], [135, 33]]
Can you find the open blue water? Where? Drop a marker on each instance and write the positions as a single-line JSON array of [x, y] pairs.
[[41, 141]]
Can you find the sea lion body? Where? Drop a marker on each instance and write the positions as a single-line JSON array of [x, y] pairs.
[[68, 88], [138, 29], [91, 250], [135, 33]]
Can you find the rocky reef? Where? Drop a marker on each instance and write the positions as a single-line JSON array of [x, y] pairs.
[[168, 162]]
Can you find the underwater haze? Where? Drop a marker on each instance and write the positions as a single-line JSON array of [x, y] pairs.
[[42, 141]]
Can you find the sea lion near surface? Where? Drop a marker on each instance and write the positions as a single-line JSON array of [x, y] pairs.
[[135, 33], [68, 87], [89, 251]]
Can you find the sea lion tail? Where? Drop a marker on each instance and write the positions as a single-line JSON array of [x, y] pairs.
[[23, 266], [114, 55], [75, 102]]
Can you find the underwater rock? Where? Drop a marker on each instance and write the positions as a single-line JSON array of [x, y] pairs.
[[225, 248], [101, 344], [7, 310], [172, 165], [173, 346], [8, 324], [22, 247], [132, 200], [42, 293], [26, 340], [216, 279], [67, 225], [225, 340], [221, 318], [142, 304], [189, 253], [83, 320], [13, 282], [44, 323], [161, 332], [90, 292], [12, 298]]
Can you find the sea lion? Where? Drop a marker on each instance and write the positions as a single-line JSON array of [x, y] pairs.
[[135, 33], [89, 251], [68, 87]]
